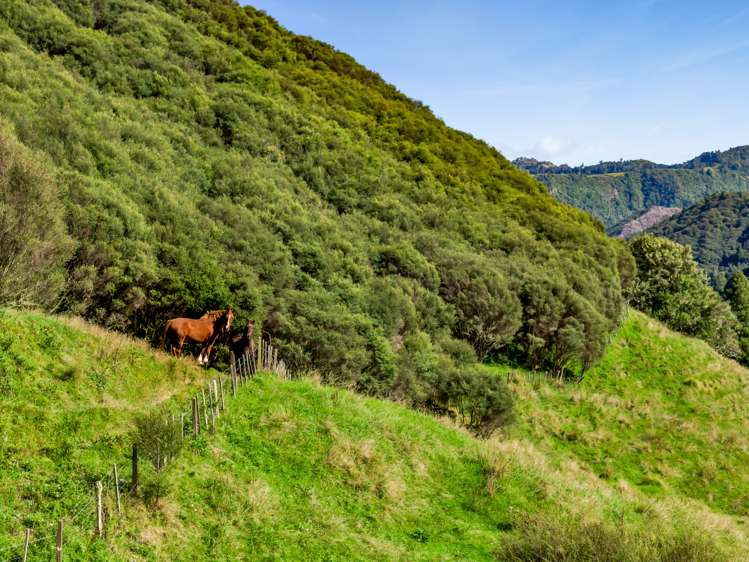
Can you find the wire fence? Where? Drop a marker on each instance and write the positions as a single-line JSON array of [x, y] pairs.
[[205, 409]]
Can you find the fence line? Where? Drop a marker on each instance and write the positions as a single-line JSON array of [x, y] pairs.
[[241, 370]]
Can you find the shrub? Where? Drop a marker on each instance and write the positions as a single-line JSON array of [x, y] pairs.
[[481, 401], [671, 287], [737, 294], [158, 437], [488, 312], [33, 240]]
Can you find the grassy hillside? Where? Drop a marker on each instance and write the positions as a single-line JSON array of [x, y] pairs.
[[69, 394], [616, 192], [717, 229], [663, 412], [302, 471], [206, 157]]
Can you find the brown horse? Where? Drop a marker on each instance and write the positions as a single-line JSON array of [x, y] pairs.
[[243, 342], [206, 330]]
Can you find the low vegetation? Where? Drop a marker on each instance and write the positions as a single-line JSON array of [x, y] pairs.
[[661, 413], [70, 395], [302, 471]]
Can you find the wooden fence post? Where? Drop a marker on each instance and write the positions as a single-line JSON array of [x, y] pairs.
[[205, 408], [182, 427], [99, 514], [134, 482], [217, 400], [195, 419], [117, 489], [233, 372], [221, 387], [58, 541], [259, 358], [210, 404], [26, 545]]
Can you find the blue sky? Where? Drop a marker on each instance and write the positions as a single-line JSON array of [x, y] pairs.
[[569, 81]]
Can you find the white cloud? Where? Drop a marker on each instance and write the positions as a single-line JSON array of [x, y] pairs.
[[551, 147]]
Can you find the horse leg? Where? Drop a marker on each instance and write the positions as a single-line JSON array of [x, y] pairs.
[[178, 349]]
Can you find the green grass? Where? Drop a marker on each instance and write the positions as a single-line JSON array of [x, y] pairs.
[[69, 393], [299, 471], [661, 411]]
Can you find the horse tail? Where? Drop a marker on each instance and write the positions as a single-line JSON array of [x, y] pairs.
[[163, 336]]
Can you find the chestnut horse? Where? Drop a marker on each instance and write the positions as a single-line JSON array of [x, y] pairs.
[[205, 330]]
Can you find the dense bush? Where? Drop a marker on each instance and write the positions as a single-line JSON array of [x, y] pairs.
[[211, 159], [33, 241], [482, 401], [672, 288], [717, 229], [157, 436]]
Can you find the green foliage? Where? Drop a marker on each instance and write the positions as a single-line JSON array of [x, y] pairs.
[[211, 158], [488, 312], [297, 470], [616, 192], [717, 229], [157, 437], [672, 288], [737, 295], [481, 401], [33, 242]]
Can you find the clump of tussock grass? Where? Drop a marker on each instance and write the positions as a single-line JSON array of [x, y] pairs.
[[364, 466], [562, 538], [278, 419]]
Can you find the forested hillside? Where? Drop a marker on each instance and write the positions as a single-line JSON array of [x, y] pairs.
[[717, 229], [616, 192], [193, 155]]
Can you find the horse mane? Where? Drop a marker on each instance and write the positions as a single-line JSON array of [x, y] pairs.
[[214, 314]]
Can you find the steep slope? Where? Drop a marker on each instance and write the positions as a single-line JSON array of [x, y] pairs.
[[616, 192], [662, 412], [207, 157], [717, 229], [69, 395], [301, 471]]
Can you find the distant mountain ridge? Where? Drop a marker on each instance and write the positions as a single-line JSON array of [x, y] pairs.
[[616, 192]]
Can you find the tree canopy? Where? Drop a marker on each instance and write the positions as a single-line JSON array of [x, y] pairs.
[[210, 158]]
